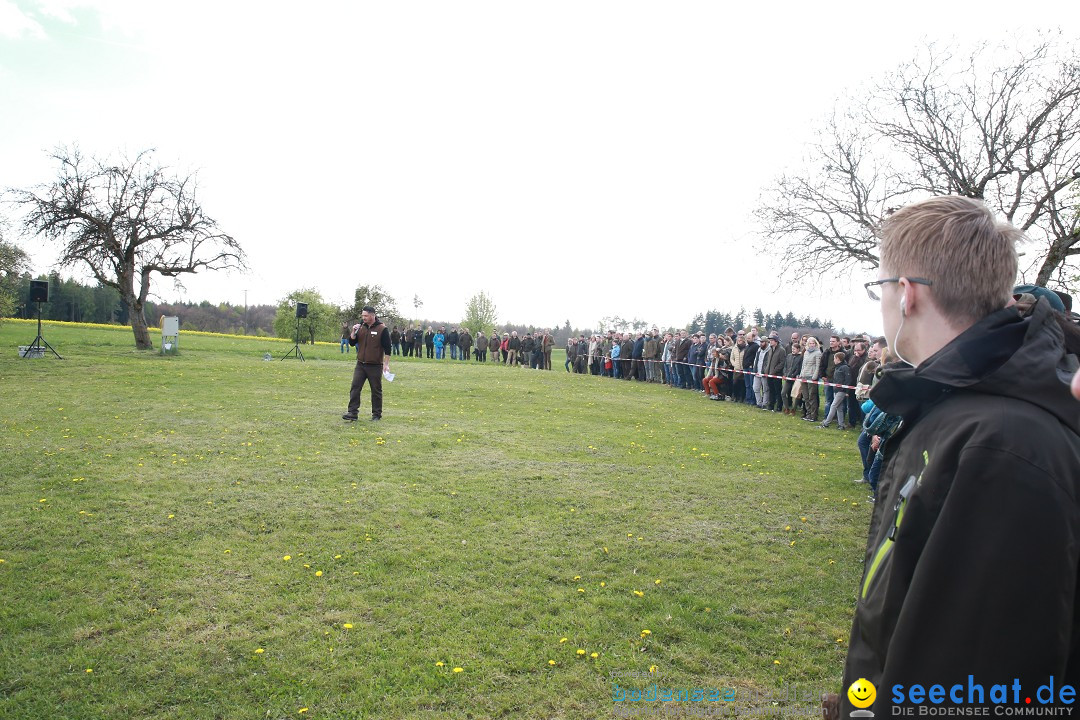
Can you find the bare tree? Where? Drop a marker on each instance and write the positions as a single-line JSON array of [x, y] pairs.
[[1001, 125], [126, 221]]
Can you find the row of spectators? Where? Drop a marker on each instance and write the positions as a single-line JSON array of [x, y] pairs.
[[741, 366], [533, 350]]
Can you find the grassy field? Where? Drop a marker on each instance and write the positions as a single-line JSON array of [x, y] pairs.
[[202, 536]]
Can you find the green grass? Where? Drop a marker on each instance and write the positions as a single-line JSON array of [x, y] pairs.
[[148, 503]]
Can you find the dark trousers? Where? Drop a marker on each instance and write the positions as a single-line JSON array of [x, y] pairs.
[[371, 374], [776, 394], [738, 388], [431, 350]]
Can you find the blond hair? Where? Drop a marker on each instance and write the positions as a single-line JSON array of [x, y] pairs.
[[957, 244]]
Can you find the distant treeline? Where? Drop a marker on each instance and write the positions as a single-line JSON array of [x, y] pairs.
[[77, 302], [73, 301]]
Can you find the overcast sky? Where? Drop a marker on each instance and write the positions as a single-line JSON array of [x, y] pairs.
[[574, 160]]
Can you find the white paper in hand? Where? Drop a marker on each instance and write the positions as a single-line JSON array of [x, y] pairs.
[[388, 375]]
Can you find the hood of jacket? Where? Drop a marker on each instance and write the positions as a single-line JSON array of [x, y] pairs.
[[1003, 354]]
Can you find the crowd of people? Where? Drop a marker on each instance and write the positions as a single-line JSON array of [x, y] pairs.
[[533, 350], [740, 366]]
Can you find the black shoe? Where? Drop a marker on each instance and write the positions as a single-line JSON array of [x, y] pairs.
[[349, 416], [375, 418]]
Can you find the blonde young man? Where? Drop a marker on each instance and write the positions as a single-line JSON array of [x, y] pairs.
[[969, 593]]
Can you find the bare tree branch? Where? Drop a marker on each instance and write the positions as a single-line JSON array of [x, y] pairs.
[[998, 124], [127, 221]]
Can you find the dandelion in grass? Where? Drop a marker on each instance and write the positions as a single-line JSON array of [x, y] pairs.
[[259, 651], [658, 581], [580, 651], [439, 664], [594, 655], [639, 593], [89, 670], [318, 573], [646, 632], [457, 669], [551, 662], [562, 640], [652, 668], [287, 558], [347, 626]]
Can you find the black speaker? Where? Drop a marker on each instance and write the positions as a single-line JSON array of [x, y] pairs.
[[39, 291], [301, 310]]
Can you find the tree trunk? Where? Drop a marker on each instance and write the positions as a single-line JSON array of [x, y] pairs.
[[138, 325]]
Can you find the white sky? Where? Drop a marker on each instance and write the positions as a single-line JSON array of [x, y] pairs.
[[572, 159]]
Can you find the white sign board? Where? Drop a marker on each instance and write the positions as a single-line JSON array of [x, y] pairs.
[[170, 326]]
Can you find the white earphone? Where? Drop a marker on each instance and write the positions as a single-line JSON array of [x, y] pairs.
[[903, 306]]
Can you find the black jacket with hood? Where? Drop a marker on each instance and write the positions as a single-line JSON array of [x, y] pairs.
[[972, 560]]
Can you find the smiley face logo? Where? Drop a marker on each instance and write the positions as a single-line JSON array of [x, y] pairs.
[[862, 693]]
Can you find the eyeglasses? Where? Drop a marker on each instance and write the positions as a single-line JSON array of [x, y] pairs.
[[874, 296]]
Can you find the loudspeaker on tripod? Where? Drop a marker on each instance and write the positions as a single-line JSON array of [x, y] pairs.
[[301, 310], [39, 291]]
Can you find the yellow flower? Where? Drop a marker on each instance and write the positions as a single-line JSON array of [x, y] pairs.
[[581, 590], [775, 662], [639, 593], [605, 550], [318, 573], [89, 670], [652, 668], [580, 651], [287, 558], [170, 517], [439, 664], [646, 632], [562, 640], [595, 655], [551, 662], [603, 584], [347, 626], [658, 581], [577, 577], [787, 528], [301, 711], [457, 669], [259, 651], [337, 557]]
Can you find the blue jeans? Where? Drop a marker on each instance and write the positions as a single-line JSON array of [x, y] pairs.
[[748, 383], [453, 352], [828, 394], [439, 352], [866, 454], [875, 471]]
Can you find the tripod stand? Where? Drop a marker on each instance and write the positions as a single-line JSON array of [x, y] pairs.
[[296, 345], [40, 343]]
